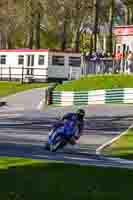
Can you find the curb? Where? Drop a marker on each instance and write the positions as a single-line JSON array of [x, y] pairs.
[[99, 149], [101, 96]]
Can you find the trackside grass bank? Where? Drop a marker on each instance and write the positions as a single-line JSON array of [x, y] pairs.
[[8, 88], [123, 147], [49, 180], [6, 162], [98, 82]]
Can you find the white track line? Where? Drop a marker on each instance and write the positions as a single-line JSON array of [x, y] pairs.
[[99, 149], [43, 101]]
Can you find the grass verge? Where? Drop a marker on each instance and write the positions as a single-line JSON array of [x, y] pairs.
[[8, 88], [50, 180], [98, 82], [122, 148], [7, 162]]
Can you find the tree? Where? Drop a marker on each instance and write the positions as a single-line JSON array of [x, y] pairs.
[[111, 9], [10, 19], [128, 11], [32, 14], [96, 16], [111, 20], [59, 17], [81, 13]]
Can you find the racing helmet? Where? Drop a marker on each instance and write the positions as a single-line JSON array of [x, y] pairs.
[[80, 113]]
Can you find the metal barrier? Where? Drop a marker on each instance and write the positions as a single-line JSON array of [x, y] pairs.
[[74, 73], [23, 74], [36, 74], [104, 66]]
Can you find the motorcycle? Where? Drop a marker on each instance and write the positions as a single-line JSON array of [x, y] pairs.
[[57, 139]]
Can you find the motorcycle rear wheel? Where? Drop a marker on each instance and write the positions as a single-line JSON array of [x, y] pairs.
[[47, 146], [59, 145]]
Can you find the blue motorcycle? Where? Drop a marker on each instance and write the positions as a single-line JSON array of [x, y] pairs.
[[60, 136]]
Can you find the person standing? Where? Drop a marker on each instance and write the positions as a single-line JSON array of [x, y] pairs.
[[130, 61], [118, 59]]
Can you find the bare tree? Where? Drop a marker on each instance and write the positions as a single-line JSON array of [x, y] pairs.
[[59, 17], [10, 19], [80, 16], [128, 11]]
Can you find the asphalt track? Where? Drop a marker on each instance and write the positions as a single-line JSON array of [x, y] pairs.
[[23, 133]]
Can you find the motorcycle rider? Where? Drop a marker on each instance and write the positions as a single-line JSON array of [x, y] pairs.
[[71, 119]]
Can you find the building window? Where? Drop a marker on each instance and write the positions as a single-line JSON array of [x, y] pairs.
[[3, 59], [41, 60], [20, 60], [75, 61], [58, 60]]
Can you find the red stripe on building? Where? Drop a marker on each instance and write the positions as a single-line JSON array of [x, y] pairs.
[[24, 50]]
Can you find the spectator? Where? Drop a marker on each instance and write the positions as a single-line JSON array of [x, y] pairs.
[[118, 59], [130, 61]]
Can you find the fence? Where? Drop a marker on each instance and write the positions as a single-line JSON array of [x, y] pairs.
[[36, 74], [124, 95], [11, 73], [104, 66], [74, 73]]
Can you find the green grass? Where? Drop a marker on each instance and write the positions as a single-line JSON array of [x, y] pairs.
[[7, 162], [50, 180], [8, 88], [123, 147], [98, 82]]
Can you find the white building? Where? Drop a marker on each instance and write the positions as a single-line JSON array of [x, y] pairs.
[[64, 65], [40, 65]]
